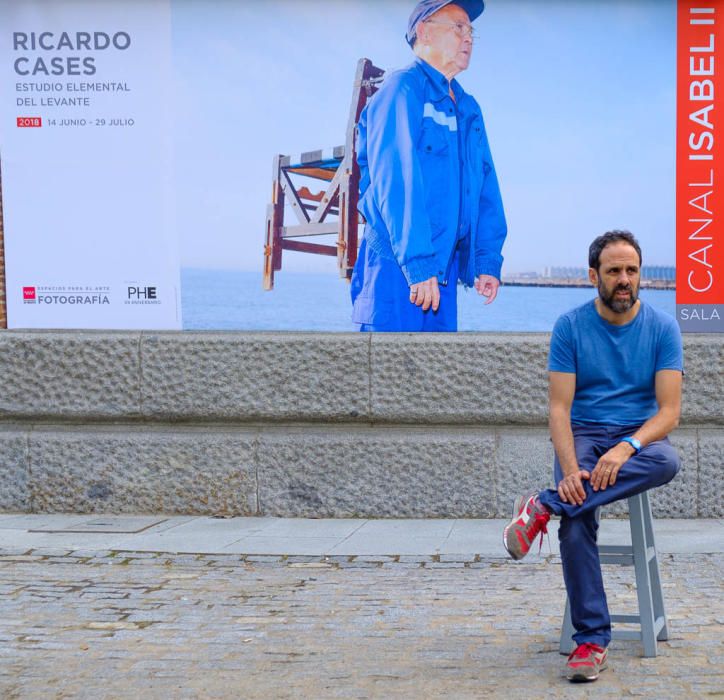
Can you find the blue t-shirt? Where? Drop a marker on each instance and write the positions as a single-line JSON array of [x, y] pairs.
[[615, 366]]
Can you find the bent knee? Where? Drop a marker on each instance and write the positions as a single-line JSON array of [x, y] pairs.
[[664, 459]]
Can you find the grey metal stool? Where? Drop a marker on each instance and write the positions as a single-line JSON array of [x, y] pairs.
[[642, 555]]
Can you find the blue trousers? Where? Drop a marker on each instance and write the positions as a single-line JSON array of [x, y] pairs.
[[381, 297], [656, 464]]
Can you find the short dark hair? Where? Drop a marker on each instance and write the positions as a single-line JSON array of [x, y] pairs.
[[594, 251]]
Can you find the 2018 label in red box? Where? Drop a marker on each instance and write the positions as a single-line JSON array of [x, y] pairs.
[[30, 121]]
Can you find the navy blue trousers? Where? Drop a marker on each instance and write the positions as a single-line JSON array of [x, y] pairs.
[[656, 464]]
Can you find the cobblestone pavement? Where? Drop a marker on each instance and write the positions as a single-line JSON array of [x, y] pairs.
[[146, 625]]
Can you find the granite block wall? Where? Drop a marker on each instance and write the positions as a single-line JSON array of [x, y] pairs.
[[303, 424]]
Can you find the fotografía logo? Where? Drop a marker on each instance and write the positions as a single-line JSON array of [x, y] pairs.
[[67, 294]]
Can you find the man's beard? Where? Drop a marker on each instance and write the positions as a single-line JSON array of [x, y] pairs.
[[618, 306]]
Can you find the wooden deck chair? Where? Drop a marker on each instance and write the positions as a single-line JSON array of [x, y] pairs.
[[336, 166]]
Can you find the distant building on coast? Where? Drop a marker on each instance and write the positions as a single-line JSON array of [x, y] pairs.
[[652, 277], [651, 273]]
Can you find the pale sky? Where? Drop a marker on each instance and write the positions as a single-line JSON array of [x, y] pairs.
[[578, 98]]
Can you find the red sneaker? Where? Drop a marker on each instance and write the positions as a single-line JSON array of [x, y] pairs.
[[585, 662], [530, 517]]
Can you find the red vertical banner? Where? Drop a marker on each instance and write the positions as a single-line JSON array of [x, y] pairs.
[[700, 166]]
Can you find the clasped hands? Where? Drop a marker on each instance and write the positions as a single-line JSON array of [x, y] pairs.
[[427, 293], [570, 487]]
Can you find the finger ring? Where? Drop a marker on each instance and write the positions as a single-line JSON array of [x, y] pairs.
[[413, 292]]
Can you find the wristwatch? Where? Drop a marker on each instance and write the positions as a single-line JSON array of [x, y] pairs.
[[636, 444]]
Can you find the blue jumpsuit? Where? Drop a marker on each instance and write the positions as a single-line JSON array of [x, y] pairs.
[[430, 198]]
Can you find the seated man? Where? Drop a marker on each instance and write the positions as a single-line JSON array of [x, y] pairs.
[[615, 370]]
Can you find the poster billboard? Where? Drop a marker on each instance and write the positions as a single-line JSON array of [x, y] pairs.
[[86, 162], [580, 106], [579, 101]]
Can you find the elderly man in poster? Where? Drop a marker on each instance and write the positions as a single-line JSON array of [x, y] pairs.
[[428, 188]]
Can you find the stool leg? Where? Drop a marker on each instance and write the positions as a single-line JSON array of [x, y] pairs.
[[567, 631], [656, 590], [643, 579]]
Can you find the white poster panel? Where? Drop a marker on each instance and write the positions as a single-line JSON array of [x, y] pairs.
[[86, 157]]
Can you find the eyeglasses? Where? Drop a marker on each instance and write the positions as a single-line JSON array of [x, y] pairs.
[[460, 28]]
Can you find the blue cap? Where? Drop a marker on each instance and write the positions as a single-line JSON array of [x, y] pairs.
[[424, 9]]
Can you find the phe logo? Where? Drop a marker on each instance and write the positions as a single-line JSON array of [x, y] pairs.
[[146, 293], [29, 295]]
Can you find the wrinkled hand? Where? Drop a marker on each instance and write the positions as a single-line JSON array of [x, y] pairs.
[[570, 488], [607, 468], [487, 286], [426, 294]]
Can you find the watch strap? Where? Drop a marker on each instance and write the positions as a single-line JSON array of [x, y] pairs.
[[636, 444]]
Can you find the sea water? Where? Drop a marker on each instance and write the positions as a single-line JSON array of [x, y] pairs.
[[234, 300]]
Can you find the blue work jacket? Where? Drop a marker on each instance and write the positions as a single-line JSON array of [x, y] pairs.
[[427, 180]]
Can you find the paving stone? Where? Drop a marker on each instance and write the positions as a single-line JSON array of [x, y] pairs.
[[12, 552], [453, 558], [231, 560], [336, 559], [299, 559], [64, 559], [263, 558], [410, 558], [50, 552], [91, 553], [374, 558]]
